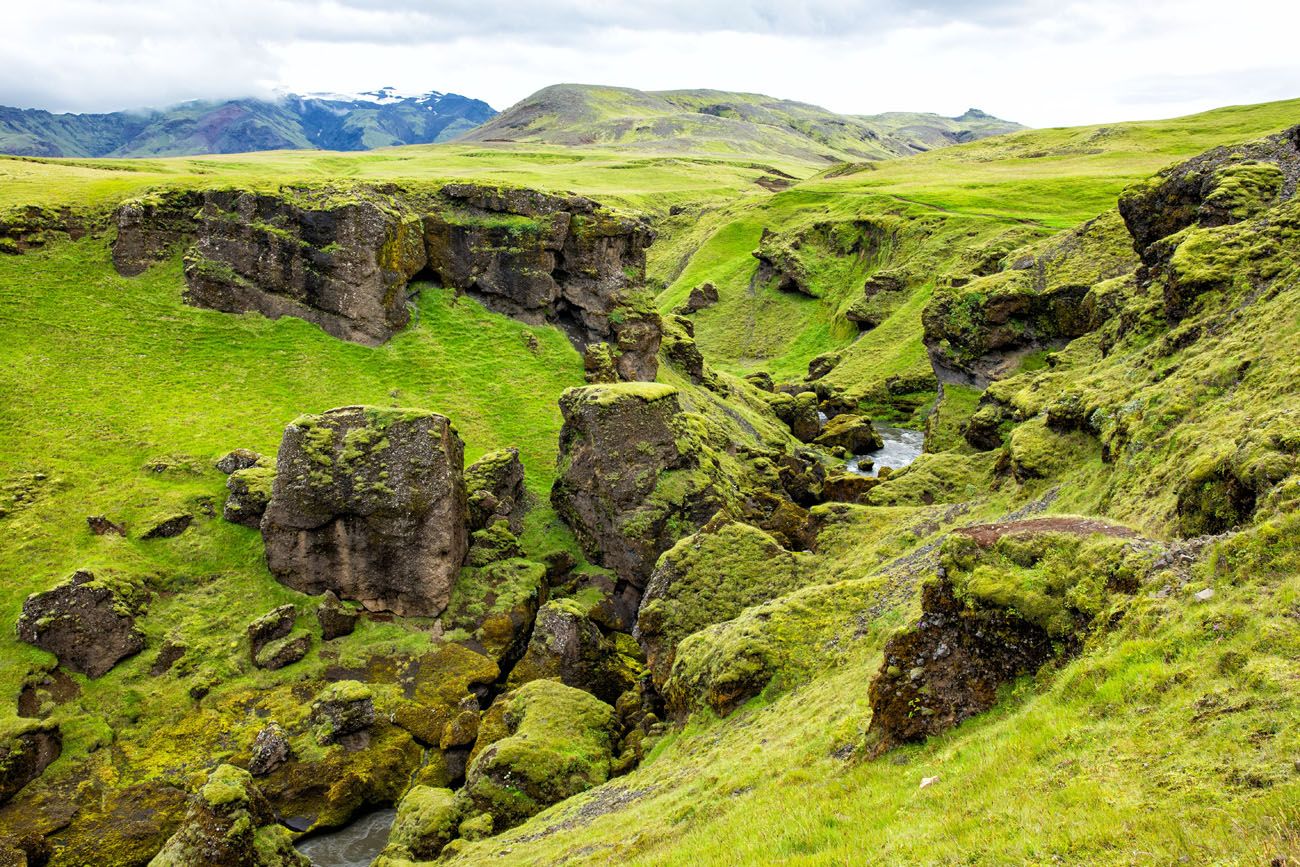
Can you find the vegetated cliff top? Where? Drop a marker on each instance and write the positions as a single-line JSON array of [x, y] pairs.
[[692, 121]]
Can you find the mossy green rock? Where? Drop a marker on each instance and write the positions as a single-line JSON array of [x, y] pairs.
[[27, 747], [230, 824], [556, 742], [88, 622], [853, 433], [707, 578], [569, 647], [370, 503], [494, 487], [427, 819]]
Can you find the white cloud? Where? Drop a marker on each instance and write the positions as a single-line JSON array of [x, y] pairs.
[[1038, 62]]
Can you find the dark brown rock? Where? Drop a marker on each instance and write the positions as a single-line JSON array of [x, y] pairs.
[[948, 667], [494, 487], [271, 626], [336, 619], [88, 624], [338, 259], [370, 503], [152, 228], [239, 459], [702, 297], [617, 446], [822, 365], [342, 709], [270, 750], [100, 525], [250, 494], [25, 752], [847, 487], [169, 527], [567, 646]]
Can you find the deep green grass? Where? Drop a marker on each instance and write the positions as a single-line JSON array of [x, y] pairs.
[[103, 374]]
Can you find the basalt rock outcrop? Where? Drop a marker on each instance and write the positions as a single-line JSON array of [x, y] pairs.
[[343, 265], [978, 330], [948, 667], [343, 258], [25, 752], [369, 503], [494, 488], [230, 824], [626, 485], [87, 622], [1221, 187], [567, 646], [32, 227]]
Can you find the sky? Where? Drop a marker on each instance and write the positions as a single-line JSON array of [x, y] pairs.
[[1038, 62]]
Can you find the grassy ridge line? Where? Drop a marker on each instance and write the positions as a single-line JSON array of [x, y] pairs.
[[646, 182], [1036, 181]]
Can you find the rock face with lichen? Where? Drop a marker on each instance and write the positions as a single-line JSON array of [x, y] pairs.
[[88, 623], [340, 262], [625, 484], [494, 487], [230, 824], [568, 646], [369, 503], [343, 258]]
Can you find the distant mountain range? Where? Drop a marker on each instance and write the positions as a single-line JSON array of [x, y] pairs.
[[677, 121], [380, 118], [712, 120]]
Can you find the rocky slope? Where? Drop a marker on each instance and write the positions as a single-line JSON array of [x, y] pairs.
[[1084, 589], [329, 122]]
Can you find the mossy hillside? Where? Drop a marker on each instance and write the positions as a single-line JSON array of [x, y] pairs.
[[1178, 705], [1179, 426], [107, 376]]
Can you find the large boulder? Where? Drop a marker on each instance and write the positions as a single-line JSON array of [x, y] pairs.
[[250, 493], [567, 646], [626, 486], [369, 503], [340, 260], [853, 433], [538, 745], [87, 622], [708, 578], [26, 750], [427, 820], [230, 824]]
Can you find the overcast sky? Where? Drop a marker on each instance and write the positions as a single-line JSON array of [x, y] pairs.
[[1041, 62]]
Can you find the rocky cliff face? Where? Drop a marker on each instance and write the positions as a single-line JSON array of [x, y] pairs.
[[369, 503], [343, 259], [342, 264]]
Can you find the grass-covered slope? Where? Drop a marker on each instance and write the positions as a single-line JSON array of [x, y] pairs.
[[712, 121], [1161, 731]]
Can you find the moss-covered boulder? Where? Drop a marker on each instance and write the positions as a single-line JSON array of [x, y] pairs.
[[249, 494], [494, 489], [626, 486], [27, 747], [853, 433], [369, 503], [336, 617], [88, 622], [341, 709], [230, 824], [800, 412], [427, 820], [707, 578], [569, 647], [1011, 597], [552, 742], [445, 679]]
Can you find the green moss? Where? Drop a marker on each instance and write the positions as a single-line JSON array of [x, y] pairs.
[[427, 819], [227, 785]]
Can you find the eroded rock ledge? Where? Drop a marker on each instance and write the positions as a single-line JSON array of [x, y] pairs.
[[344, 259]]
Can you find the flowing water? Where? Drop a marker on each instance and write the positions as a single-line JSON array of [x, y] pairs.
[[354, 845], [902, 446]]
